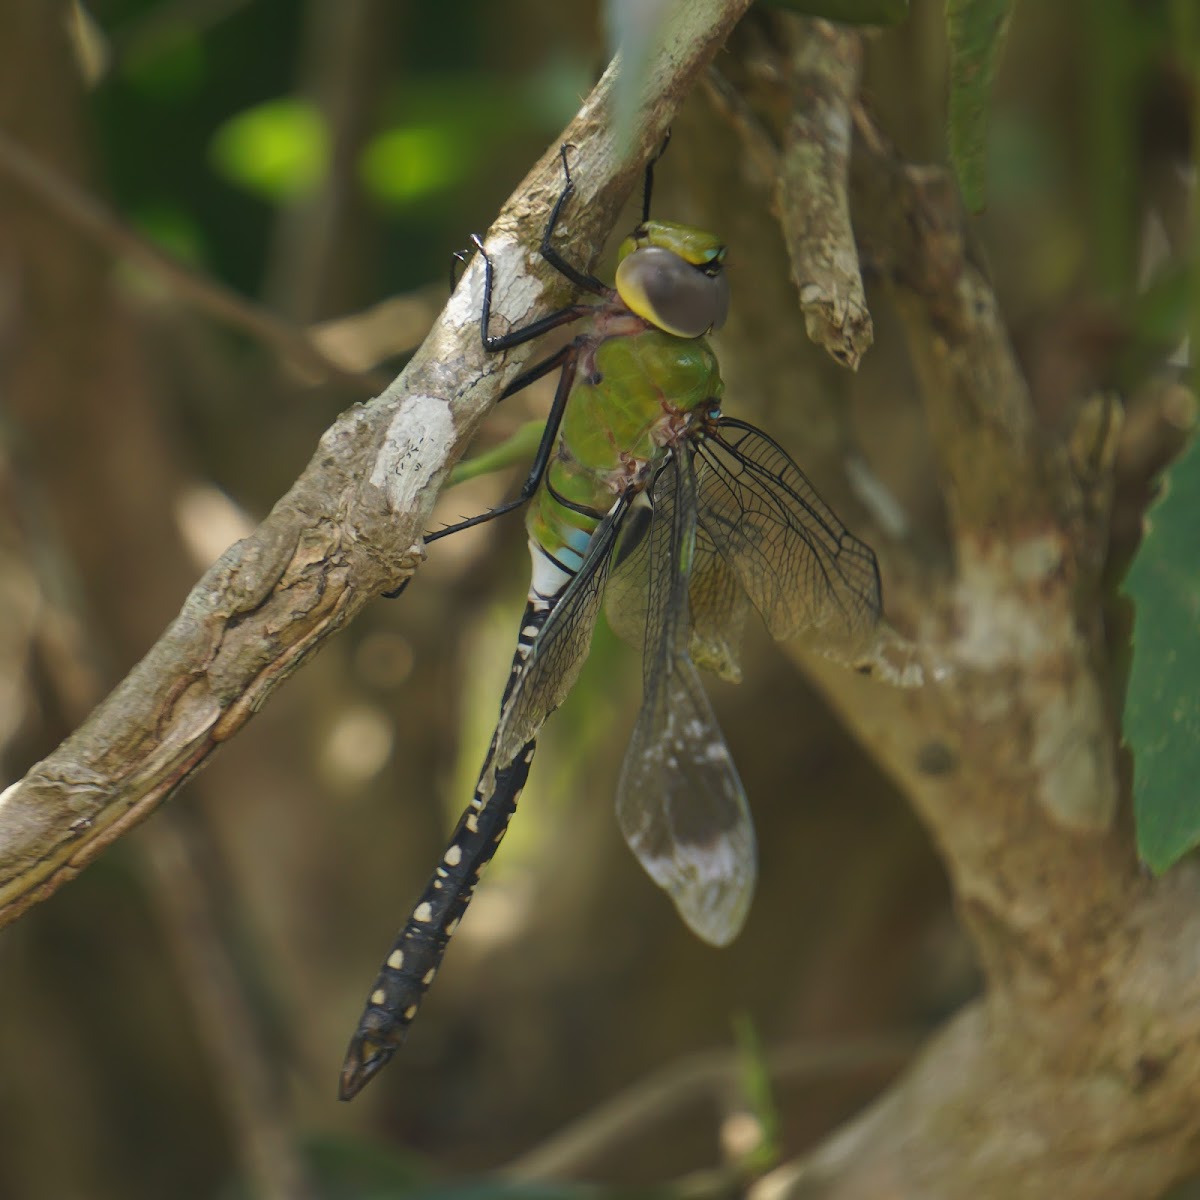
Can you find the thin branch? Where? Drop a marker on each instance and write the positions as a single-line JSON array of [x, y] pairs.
[[698, 1079], [251, 1092], [350, 528], [206, 294]]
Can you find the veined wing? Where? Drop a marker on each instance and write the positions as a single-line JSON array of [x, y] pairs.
[[718, 604], [801, 567], [680, 803], [561, 646]]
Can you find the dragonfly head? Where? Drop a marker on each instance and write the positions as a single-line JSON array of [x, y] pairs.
[[673, 276]]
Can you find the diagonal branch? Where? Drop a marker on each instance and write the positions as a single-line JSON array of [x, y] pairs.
[[351, 526]]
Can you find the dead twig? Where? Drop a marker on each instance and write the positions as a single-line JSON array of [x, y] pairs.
[[207, 295]]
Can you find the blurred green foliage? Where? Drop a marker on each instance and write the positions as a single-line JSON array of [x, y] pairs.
[[278, 149], [210, 122], [976, 30]]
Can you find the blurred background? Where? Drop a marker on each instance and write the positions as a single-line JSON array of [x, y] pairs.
[[172, 1023]]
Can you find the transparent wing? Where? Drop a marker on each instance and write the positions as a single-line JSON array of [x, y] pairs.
[[680, 803], [561, 647], [625, 597], [719, 608], [718, 604], [800, 566]]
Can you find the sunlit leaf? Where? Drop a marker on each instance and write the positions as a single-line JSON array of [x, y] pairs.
[[976, 31], [1162, 704], [278, 149], [401, 165], [848, 12]]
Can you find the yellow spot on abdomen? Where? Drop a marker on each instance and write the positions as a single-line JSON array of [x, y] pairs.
[[378, 996], [396, 959], [424, 912]]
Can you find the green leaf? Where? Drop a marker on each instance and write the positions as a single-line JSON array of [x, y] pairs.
[[278, 149], [1162, 703], [975, 30], [848, 12], [520, 447]]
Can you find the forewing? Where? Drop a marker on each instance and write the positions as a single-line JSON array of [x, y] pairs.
[[718, 604], [801, 567], [625, 597], [561, 647], [719, 607], [680, 803]]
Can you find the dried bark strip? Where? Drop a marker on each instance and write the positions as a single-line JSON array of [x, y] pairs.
[[811, 190]]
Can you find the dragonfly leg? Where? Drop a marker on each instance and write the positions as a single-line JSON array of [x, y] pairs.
[[527, 333], [565, 359], [648, 189], [458, 258], [547, 249], [549, 252]]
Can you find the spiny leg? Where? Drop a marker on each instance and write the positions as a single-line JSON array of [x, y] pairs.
[[581, 279], [549, 251], [648, 189], [567, 358]]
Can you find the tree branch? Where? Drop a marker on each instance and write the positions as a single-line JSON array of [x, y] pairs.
[[350, 528], [1078, 1073], [206, 294]]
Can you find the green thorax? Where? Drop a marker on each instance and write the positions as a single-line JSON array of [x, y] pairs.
[[630, 393]]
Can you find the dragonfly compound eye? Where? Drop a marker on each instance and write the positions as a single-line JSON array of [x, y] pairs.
[[671, 293]]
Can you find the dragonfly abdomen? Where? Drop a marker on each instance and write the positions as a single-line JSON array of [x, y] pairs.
[[416, 954]]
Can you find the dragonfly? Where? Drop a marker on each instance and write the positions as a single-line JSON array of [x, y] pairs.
[[643, 496]]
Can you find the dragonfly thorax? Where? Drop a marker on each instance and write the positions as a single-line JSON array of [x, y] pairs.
[[635, 396]]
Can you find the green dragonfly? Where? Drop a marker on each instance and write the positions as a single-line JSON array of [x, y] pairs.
[[687, 518]]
